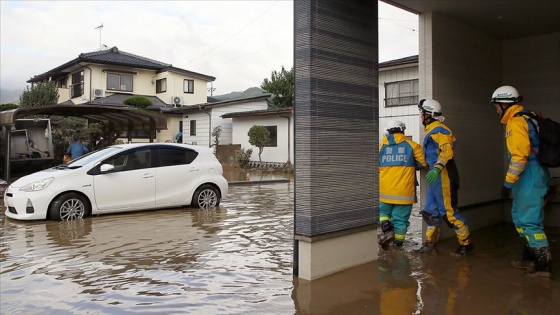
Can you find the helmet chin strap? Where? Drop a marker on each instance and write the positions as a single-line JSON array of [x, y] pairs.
[[430, 119]]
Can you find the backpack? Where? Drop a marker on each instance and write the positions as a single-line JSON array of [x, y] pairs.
[[549, 137]]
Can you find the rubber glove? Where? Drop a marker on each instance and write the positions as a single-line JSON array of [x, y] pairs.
[[433, 175]]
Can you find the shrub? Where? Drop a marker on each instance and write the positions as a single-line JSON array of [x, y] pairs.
[[243, 157], [138, 101]]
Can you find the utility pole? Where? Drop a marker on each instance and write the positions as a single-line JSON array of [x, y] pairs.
[[100, 27], [211, 89]]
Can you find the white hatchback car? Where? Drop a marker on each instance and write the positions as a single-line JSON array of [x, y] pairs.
[[120, 178]]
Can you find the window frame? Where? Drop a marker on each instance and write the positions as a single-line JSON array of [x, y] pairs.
[[188, 86], [77, 86], [273, 140], [403, 98], [120, 85], [62, 83], [166, 153], [192, 127], [159, 84]]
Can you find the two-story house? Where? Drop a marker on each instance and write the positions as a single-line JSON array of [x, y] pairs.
[[398, 94], [107, 77]]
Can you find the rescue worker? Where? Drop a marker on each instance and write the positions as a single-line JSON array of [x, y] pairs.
[[399, 158], [526, 179], [443, 181], [76, 148]]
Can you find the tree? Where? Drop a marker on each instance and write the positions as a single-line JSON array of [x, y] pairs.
[[281, 85], [216, 133], [40, 94], [259, 136], [7, 106]]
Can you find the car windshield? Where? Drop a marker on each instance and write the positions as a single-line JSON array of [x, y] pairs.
[[92, 156]]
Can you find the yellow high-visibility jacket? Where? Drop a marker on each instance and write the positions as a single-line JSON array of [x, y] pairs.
[[399, 158], [518, 143]]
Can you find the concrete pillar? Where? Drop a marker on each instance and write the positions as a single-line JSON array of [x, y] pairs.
[[336, 135]]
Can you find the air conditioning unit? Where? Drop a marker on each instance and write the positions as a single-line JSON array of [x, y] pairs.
[[176, 101], [97, 93]]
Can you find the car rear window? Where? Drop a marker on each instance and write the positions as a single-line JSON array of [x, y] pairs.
[[175, 156]]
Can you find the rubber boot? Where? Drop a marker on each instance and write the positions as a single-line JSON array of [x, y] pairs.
[[428, 248], [463, 250], [542, 268], [388, 234], [528, 259]]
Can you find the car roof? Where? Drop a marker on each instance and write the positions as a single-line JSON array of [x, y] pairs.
[[125, 146]]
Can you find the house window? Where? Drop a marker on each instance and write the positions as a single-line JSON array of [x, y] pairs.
[[77, 87], [161, 85], [62, 83], [193, 128], [401, 93], [188, 86], [273, 140], [119, 82]]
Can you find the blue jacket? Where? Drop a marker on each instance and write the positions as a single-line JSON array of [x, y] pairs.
[[76, 149]]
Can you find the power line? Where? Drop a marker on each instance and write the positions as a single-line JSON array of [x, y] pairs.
[[227, 39]]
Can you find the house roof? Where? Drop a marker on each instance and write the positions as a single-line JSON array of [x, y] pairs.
[[223, 103], [119, 118], [263, 112], [113, 56], [117, 99], [399, 62]]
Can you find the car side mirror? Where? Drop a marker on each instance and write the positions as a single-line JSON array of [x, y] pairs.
[[106, 168]]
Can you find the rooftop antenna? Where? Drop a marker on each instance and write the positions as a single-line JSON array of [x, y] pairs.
[[100, 27]]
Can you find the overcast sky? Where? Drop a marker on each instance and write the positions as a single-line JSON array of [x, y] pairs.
[[238, 42]]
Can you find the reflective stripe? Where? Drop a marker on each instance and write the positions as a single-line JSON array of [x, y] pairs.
[[399, 236], [381, 219], [514, 172], [540, 236], [517, 164], [519, 230], [395, 197]]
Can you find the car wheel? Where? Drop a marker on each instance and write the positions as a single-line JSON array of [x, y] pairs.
[[206, 196], [69, 207]]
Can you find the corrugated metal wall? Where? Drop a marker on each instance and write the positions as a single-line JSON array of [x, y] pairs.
[[336, 115]]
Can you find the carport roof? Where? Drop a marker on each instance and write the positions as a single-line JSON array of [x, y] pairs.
[[119, 118]]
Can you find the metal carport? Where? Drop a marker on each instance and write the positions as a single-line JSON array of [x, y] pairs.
[[115, 118]]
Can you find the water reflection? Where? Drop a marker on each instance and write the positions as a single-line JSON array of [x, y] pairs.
[[237, 259]]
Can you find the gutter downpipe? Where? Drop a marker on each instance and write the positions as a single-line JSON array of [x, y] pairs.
[[289, 133], [209, 126]]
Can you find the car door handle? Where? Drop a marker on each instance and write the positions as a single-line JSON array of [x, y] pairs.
[[147, 176], [194, 169]]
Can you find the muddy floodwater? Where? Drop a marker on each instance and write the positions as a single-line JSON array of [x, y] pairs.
[[237, 259]]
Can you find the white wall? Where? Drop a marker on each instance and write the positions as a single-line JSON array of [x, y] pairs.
[[175, 88], [406, 114], [226, 123], [460, 67], [285, 144]]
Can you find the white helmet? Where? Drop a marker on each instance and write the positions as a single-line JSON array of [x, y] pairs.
[[506, 94], [431, 107], [394, 126]]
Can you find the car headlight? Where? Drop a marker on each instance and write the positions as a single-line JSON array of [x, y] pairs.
[[37, 185]]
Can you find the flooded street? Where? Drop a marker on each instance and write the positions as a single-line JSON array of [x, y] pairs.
[[237, 259]]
